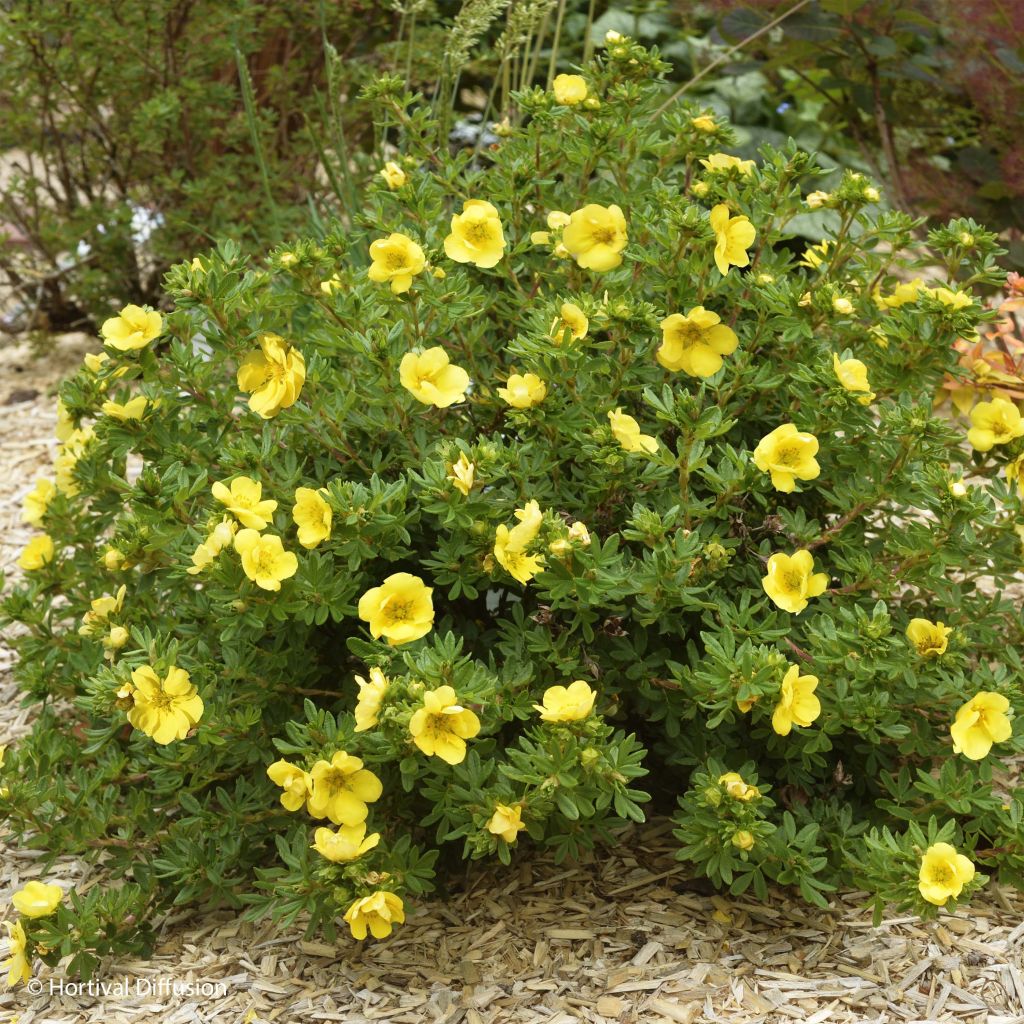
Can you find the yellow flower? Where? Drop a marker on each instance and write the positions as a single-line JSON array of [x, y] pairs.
[[349, 843], [791, 580], [704, 123], [17, 964], [244, 500], [842, 305], [506, 822], [67, 457], [393, 175], [930, 638], [264, 559], [815, 255], [523, 391], [737, 788], [331, 285], [131, 410], [579, 533], [220, 537], [567, 703], [342, 788], [37, 501], [94, 361], [133, 328], [572, 319], [742, 840], [1014, 472], [944, 873], [995, 422], [733, 237], [982, 721], [595, 237], [272, 377], [852, 374], [719, 162], [951, 299], [476, 235], [441, 727], [165, 709], [101, 608], [116, 638], [37, 552], [695, 343], [37, 899], [569, 89], [462, 474], [378, 913], [788, 454], [558, 219], [512, 556], [65, 424], [797, 704], [400, 609], [296, 783], [958, 489], [371, 696], [818, 199], [432, 379], [312, 516], [627, 433], [907, 292], [397, 259]]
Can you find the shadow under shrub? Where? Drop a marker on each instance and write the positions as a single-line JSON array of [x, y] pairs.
[[566, 468]]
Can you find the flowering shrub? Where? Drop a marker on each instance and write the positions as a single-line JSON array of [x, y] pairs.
[[566, 482]]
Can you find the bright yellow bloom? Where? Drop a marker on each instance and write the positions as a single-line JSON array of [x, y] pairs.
[[220, 537], [264, 559], [400, 609], [379, 913], [570, 317], [627, 433], [37, 899], [930, 638], [695, 343], [733, 237], [116, 638], [37, 552], [797, 704], [558, 219], [569, 89], [349, 843], [944, 873], [982, 721], [815, 255], [462, 474], [67, 458], [719, 162], [331, 285], [791, 580], [907, 292], [393, 175], [272, 377], [476, 235], [371, 696], [18, 966], [297, 784], [995, 422], [37, 501], [743, 840], [510, 545], [165, 709], [441, 727], [432, 379], [815, 200], [95, 620], [312, 516], [244, 500], [397, 259], [506, 822], [342, 788], [94, 361], [595, 237], [953, 300], [704, 123], [131, 410], [133, 328], [523, 390], [65, 424], [852, 374], [1014, 473], [788, 454], [567, 703], [737, 788]]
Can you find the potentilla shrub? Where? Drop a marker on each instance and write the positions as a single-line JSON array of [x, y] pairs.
[[570, 481]]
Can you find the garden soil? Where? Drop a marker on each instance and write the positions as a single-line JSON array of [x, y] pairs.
[[623, 937]]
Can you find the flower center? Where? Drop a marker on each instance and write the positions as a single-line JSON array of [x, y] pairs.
[[395, 259], [478, 233], [603, 236], [689, 334], [941, 874], [398, 611], [794, 581]]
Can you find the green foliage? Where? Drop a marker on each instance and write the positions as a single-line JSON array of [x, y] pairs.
[[658, 605]]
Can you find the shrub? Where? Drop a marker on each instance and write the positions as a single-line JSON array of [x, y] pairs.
[[565, 482]]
